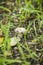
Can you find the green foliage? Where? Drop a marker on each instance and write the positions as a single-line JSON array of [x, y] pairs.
[[21, 14]]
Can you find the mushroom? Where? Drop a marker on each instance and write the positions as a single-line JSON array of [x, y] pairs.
[[14, 41], [20, 31]]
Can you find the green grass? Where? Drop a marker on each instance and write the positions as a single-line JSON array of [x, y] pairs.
[[17, 15]]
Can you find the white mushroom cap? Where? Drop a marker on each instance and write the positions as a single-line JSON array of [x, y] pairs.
[[14, 41], [20, 30]]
